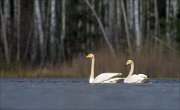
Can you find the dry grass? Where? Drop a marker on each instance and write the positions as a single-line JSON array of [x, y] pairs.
[[153, 62]]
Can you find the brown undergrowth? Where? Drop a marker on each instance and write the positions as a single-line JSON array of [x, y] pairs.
[[153, 62]]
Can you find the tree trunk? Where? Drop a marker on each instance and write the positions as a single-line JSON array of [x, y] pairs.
[[168, 22], [137, 25], [63, 28], [38, 21], [126, 27], [3, 29], [174, 5], [92, 27], [47, 28], [147, 21], [156, 19], [105, 2], [17, 18], [141, 18], [118, 24], [52, 30], [111, 21], [130, 15]]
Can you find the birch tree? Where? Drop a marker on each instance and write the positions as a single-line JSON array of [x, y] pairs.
[[52, 30], [141, 18], [130, 13], [126, 27], [168, 22], [156, 18], [4, 21], [7, 16], [111, 20], [137, 25], [17, 27], [38, 23], [148, 13], [63, 27], [171, 16], [118, 23], [174, 4], [105, 3], [92, 28]]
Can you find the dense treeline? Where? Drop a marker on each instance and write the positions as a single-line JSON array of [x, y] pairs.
[[41, 31]]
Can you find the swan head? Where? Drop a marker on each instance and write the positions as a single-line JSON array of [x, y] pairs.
[[90, 55], [129, 62]]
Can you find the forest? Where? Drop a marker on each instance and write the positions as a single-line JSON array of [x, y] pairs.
[[50, 38]]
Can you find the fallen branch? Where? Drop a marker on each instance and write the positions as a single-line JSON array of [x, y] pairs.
[[101, 27]]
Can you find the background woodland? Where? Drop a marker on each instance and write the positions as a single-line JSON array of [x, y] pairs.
[[52, 37]]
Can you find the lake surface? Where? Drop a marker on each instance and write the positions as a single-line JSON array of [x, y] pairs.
[[76, 93]]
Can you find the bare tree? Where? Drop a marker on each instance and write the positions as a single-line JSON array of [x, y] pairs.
[[105, 3], [141, 18], [171, 16], [92, 27], [168, 22], [111, 20], [147, 20], [175, 5], [130, 13], [118, 23], [126, 26], [47, 23], [52, 30], [137, 25], [63, 27], [17, 14], [3, 29], [156, 19], [38, 21]]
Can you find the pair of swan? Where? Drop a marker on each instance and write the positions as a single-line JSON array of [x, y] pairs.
[[115, 77]]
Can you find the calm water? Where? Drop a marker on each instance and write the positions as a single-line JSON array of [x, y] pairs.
[[63, 93]]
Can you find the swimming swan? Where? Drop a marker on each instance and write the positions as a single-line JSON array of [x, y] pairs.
[[134, 78], [104, 77]]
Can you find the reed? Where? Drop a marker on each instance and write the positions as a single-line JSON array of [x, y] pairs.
[[153, 62]]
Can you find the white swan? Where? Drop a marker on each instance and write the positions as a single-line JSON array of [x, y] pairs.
[[104, 77], [134, 78]]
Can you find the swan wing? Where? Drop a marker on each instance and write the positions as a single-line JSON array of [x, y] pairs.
[[114, 80], [136, 79], [105, 76], [143, 75]]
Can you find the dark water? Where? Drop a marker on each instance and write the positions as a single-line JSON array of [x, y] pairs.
[[63, 93]]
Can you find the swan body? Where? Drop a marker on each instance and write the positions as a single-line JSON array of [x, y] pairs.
[[104, 77], [107, 78], [113, 80], [135, 78]]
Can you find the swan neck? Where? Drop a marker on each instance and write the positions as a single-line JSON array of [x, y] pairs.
[[91, 79], [131, 70]]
